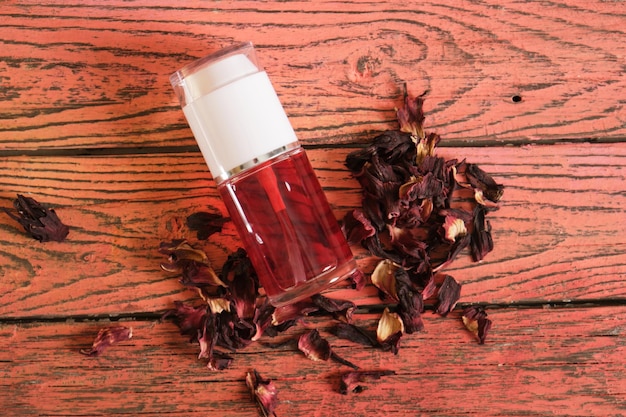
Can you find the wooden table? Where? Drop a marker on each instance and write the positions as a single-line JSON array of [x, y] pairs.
[[533, 92]]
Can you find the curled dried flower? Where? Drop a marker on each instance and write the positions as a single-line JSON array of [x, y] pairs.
[[314, 346], [411, 117], [410, 308], [106, 337], [350, 381], [189, 319], [384, 278], [293, 311], [264, 392], [448, 296], [39, 222], [192, 263], [453, 227], [476, 321], [483, 182], [355, 334], [389, 331], [340, 309], [242, 279]]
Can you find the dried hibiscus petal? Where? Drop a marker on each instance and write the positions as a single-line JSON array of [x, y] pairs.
[[192, 263], [389, 331], [482, 242], [355, 334], [41, 223], [384, 278], [476, 321], [341, 309], [243, 282], [205, 224], [189, 319], [483, 182], [350, 381], [449, 294], [410, 308], [316, 348], [264, 392], [106, 337]]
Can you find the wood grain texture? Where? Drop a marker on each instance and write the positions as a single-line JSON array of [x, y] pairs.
[[563, 362], [559, 234], [95, 75]]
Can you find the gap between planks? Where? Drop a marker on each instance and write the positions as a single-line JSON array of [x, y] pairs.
[[363, 309]]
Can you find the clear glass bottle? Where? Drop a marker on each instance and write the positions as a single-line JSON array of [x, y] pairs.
[[263, 175]]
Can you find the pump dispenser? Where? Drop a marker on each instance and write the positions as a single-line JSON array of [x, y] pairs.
[[263, 175]]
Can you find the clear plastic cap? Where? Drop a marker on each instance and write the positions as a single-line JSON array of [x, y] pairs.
[[233, 110]]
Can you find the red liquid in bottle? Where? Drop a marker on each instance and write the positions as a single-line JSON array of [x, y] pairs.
[[287, 227]]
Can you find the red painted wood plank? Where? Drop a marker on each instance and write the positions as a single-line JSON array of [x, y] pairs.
[[537, 362], [90, 75], [559, 234]]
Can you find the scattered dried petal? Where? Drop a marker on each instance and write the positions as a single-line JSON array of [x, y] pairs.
[[411, 116], [476, 321], [192, 263], [350, 381], [482, 242], [355, 334], [384, 278], [106, 337], [314, 346], [453, 227], [410, 308], [293, 311], [483, 182], [243, 281], [189, 319], [449, 294], [39, 222], [341, 309], [205, 224], [389, 331], [264, 392]]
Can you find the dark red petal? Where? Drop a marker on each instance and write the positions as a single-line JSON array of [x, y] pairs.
[[355, 334], [449, 294], [357, 227], [358, 280], [341, 309], [314, 346], [410, 308], [205, 224], [411, 116], [350, 381], [243, 281], [476, 321], [293, 311], [39, 222], [482, 181], [106, 337], [262, 319], [481, 242], [188, 318], [264, 392]]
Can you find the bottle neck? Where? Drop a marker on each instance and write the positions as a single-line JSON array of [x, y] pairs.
[[256, 161]]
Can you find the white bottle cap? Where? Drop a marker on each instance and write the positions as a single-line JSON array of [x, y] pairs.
[[233, 111]]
